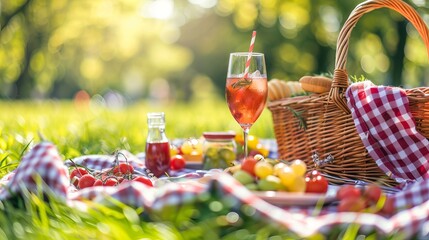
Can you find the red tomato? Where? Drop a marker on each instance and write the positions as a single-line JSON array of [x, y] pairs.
[[248, 165], [351, 205], [144, 180], [86, 180], [348, 191], [98, 182], [123, 168], [110, 182], [177, 162], [78, 172], [372, 192], [315, 183], [389, 206]]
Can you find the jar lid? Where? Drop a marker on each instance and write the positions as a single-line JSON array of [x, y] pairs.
[[219, 135]]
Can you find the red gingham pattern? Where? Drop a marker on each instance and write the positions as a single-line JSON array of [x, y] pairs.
[[383, 120], [44, 160], [415, 194], [131, 193]]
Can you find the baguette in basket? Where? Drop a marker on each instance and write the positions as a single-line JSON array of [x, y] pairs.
[[316, 84], [278, 89]]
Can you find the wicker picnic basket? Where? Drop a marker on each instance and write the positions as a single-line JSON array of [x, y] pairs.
[[330, 130]]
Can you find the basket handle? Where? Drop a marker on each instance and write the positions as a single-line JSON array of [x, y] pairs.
[[340, 79]]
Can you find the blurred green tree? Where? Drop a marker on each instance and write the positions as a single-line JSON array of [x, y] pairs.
[[54, 48]]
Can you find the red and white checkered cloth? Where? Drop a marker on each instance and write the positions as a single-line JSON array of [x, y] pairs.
[[43, 160], [383, 120]]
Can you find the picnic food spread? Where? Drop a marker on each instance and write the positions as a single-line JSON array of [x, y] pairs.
[[186, 185], [382, 185]]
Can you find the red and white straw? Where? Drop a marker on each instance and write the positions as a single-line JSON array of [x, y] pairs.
[[252, 43]]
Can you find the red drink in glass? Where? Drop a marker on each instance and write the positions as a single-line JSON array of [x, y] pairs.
[[246, 101], [158, 157], [246, 89]]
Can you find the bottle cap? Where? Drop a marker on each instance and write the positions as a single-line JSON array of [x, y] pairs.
[[156, 118]]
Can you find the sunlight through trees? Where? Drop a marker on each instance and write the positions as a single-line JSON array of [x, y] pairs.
[[55, 48]]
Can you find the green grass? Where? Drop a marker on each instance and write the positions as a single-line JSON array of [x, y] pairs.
[[99, 130]]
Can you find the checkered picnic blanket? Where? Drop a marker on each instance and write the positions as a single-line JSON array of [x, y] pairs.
[[44, 161], [383, 120]]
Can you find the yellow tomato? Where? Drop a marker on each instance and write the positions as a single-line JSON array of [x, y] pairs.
[[173, 150], [287, 176], [197, 147], [186, 147], [263, 169], [278, 167], [261, 149], [239, 139], [299, 167], [252, 141]]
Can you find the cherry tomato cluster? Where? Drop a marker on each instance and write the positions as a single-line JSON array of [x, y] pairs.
[[258, 173], [123, 172], [364, 199]]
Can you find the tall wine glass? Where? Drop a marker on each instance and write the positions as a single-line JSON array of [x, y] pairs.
[[246, 93]]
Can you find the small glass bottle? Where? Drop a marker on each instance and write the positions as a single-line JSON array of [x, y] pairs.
[[157, 145], [219, 150]]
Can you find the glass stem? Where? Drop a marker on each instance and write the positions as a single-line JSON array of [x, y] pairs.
[[245, 134]]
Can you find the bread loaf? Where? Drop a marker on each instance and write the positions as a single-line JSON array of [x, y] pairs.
[[316, 84], [278, 89]]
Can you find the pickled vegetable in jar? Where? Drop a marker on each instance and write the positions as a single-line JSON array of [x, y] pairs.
[[219, 150]]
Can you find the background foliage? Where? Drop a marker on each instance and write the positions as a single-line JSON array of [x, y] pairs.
[[177, 50]]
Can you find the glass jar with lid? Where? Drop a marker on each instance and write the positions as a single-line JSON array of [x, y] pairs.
[[219, 150]]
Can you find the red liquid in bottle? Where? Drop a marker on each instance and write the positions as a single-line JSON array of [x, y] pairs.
[[158, 157]]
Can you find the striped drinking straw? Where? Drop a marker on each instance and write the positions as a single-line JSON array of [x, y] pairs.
[[252, 43]]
